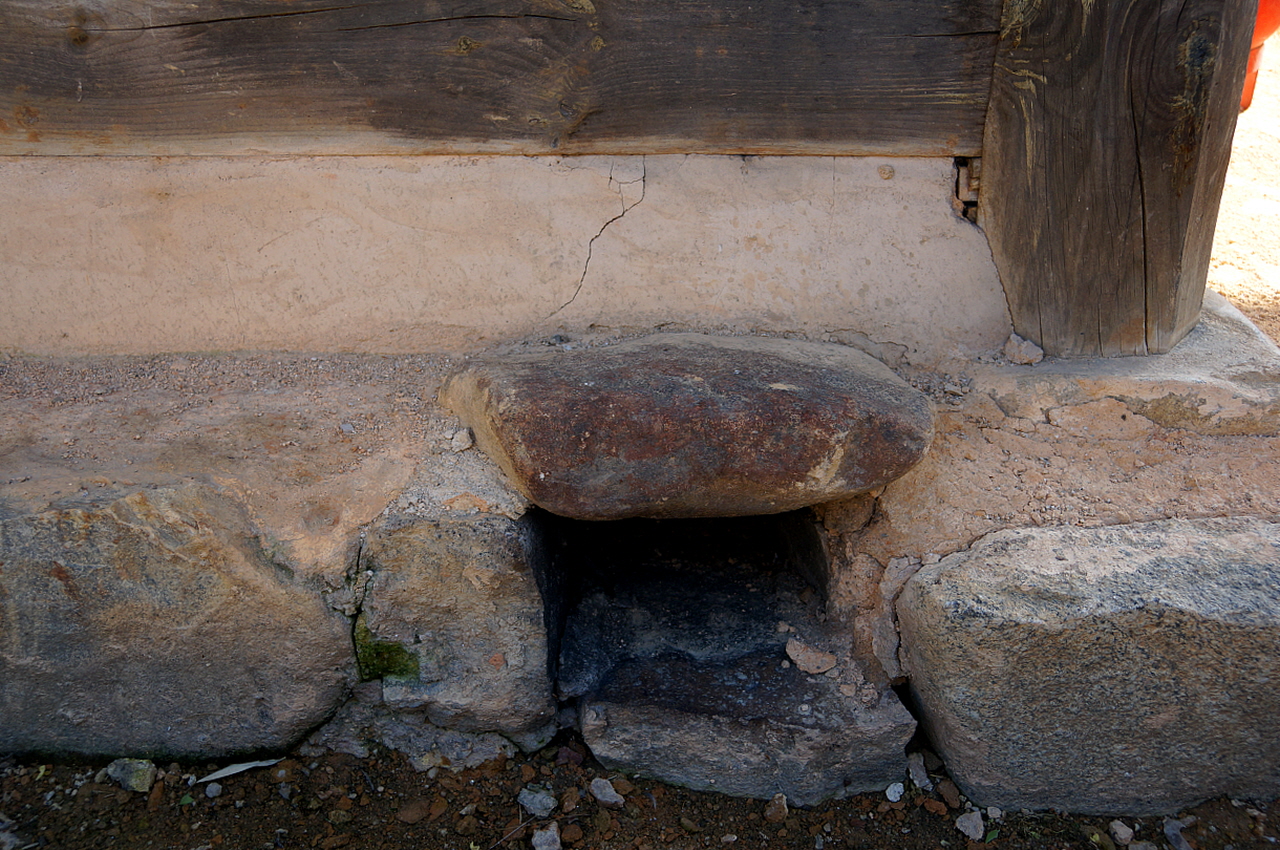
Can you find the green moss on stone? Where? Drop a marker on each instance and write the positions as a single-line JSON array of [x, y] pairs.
[[382, 659]]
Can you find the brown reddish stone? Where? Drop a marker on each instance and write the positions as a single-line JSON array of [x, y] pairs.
[[688, 425]]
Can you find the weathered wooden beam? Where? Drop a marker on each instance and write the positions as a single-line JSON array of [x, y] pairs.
[[514, 76], [1106, 146]]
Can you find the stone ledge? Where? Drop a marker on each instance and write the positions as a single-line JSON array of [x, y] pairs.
[[1222, 379]]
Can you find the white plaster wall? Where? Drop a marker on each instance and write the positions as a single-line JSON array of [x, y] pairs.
[[397, 254]]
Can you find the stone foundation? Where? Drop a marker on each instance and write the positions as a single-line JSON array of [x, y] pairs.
[[230, 543]]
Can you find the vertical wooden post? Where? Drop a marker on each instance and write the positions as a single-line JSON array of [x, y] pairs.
[[1106, 145]]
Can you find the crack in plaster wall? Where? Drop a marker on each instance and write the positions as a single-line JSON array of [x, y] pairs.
[[626, 208]]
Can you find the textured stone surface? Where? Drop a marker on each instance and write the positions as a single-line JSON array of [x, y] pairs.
[[749, 727], [1127, 669], [1063, 444], [1096, 442], [453, 624], [152, 623], [133, 774], [688, 425], [314, 447], [1224, 378], [365, 722]]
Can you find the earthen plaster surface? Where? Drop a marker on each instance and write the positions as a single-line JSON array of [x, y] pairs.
[[445, 254]]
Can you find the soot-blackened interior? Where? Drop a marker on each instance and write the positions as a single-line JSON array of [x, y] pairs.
[[627, 600]]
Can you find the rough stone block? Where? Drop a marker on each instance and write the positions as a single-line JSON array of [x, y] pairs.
[[365, 722], [1126, 669], [153, 624], [453, 624], [750, 727], [688, 425]]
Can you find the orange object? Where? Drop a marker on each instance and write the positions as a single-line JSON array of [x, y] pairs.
[[1268, 22]]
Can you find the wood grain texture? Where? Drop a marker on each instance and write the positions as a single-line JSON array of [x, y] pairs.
[[515, 76], [1106, 145]]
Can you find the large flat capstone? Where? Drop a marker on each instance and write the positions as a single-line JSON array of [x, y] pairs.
[[1127, 669], [153, 623], [689, 425]]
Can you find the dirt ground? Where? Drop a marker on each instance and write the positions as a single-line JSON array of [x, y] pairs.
[[383, 802]]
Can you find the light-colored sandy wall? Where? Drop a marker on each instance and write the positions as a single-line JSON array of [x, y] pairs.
[[397, 254]]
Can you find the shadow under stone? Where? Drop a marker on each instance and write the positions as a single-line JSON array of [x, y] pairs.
[[671, 642]]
